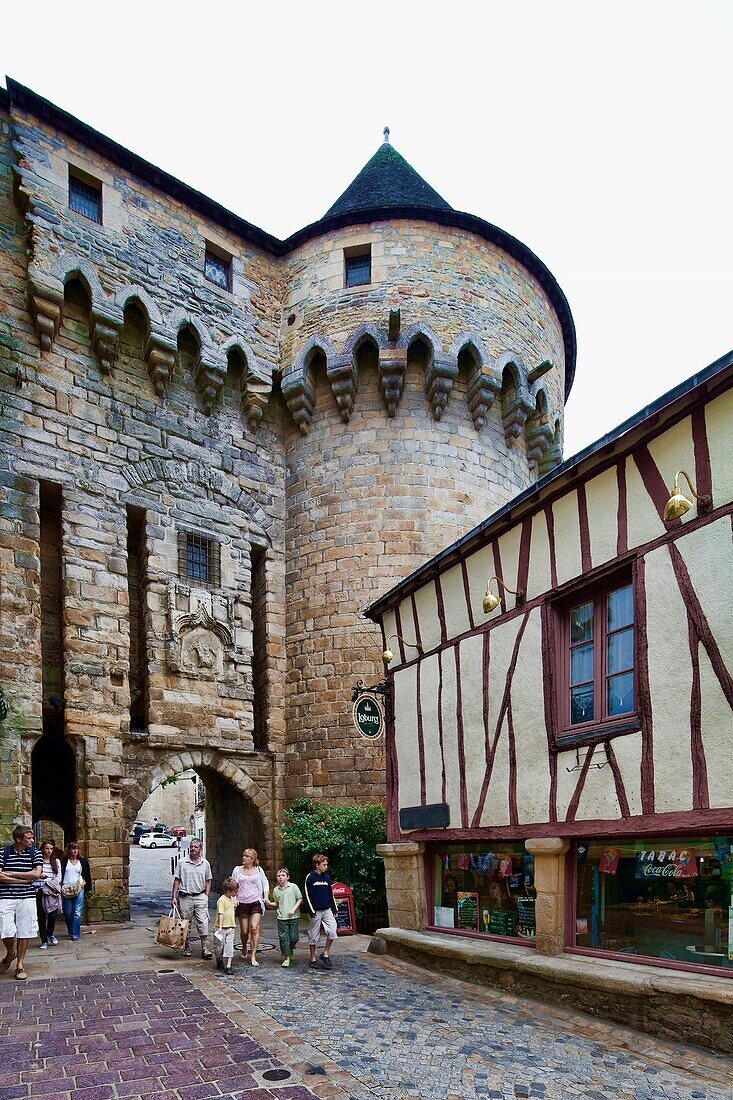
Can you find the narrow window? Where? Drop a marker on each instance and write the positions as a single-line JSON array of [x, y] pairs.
[[137, 585], [218, 268], [259, 647], [357, 266], [85, 196], [598, 634], [198, 559]]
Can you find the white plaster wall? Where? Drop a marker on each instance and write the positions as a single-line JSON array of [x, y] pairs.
[[473, 717], [405, 703], [644, 521], [454, 602], [717, 735], [450, 736], [509, 557], [539, 580], [480, 567], [628, 755], [708, 554], [598, 800], [496, 807], [431, 741], [670, 681], [426, 603], [601, 495], [719, 420], [567, 537], [528, 712]]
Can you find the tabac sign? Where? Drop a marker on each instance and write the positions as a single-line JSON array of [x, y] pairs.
[[368, 712]]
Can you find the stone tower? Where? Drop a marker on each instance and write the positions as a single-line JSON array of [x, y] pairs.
[[423, 396], [216, 448]]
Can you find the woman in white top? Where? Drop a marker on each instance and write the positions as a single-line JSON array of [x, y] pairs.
[[252, 889], [48, 895], [76, 879]]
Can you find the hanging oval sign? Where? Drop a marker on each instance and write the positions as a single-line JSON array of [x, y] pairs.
[[368, 716]]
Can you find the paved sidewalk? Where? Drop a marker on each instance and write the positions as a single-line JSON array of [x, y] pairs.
[[114, 1016]]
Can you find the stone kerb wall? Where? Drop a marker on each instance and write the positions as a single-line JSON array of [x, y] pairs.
[[371, 495]]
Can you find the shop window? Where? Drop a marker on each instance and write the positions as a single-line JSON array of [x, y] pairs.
[[85, 195], [485, 890], [357, 266], [596, 636], [199, 559], [664, 898], [218, 268]]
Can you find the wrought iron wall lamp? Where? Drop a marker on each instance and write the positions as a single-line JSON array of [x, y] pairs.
[[492, 600], [678, 503]]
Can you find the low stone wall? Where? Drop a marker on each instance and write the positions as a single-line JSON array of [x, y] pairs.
[[673, 1005]]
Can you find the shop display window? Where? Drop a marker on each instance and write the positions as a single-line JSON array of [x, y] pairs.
[[485, 889], [663, 898]]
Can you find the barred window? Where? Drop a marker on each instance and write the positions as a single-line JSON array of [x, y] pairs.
[[358, 269], [217, 269], [85, 197], [199, 559]]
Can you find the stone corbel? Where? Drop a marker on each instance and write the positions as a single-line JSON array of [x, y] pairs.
[[46, 304], [482, 389], [439, 379], [514, 415], [392, 366], [254, 401], [209, 379], [539, 440], [160, 356], [342, 378], [301, 401], [550, 459], [105, 340]]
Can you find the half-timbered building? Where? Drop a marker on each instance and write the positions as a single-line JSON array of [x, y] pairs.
[[560, 735]]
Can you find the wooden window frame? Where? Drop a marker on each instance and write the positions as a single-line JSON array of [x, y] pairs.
[[358, 252], [557, 625], [76, 176], [213, 559]]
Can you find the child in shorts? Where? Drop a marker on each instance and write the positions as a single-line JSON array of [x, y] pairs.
[[288, 899], [225, 924]]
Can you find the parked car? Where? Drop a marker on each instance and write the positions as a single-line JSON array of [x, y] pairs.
[[158, 840], [137, 831]]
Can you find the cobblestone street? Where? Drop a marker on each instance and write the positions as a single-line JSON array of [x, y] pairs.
[[114, 1017]]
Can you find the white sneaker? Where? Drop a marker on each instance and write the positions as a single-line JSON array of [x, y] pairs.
[[42, 946]]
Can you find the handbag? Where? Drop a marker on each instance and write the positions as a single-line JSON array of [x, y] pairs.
[[172, 930], [72, 889]]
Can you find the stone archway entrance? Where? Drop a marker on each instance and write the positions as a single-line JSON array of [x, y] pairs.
[[238, 814]]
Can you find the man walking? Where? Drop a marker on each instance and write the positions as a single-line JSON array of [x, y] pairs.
[[192, 884], [21, 864]]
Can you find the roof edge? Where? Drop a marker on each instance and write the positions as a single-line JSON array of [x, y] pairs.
[[27, 100], [673, 401]]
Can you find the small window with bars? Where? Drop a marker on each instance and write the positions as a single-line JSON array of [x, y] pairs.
[[218, 269], [199, 559], [85, 197], [358, 268]]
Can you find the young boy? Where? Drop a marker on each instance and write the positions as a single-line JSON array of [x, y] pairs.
[[320, 904], [288, 899], [225, 924]]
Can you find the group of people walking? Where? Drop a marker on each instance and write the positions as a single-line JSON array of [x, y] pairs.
[[244, 898], [35, 886]]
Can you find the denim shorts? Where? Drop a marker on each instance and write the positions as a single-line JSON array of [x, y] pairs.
[[246, 909]]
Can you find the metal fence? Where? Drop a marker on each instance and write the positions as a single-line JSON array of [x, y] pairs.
[[341, 868]]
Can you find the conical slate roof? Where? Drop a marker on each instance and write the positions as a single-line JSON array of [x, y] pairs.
[[387, 180]]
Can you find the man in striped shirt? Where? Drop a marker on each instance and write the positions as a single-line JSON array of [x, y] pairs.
[[21, 864]]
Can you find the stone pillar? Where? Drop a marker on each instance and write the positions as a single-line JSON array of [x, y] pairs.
[[549, 880], [404, 871]]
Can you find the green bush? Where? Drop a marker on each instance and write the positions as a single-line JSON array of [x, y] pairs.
[[349, 836]]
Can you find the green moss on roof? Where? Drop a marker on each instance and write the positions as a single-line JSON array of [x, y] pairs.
[[387, 180]]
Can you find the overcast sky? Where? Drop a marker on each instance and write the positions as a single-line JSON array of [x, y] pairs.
[[599, 135]]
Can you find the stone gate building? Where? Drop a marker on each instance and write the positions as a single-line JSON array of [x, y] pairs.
[[216, 448]]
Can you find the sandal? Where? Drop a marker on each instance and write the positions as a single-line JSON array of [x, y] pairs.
[[6, 963], [20, 975]]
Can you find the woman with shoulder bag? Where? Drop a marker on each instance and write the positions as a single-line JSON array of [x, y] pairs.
[[76, 878], [48, 895]]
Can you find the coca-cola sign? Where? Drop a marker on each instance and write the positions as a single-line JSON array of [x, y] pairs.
[[666, 863]]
